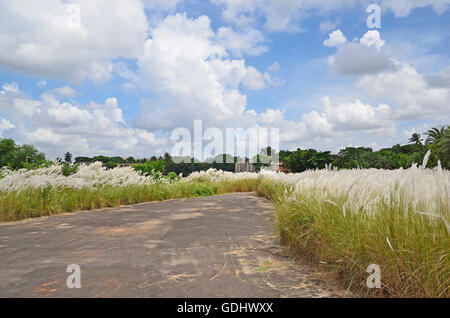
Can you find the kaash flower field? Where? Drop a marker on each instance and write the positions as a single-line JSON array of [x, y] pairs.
[[341, 220]]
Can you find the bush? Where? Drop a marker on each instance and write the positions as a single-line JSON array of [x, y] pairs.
[[110, 165], [68, 170], [172, 176], [151, 168]]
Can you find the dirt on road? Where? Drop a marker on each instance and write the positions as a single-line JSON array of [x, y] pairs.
[[222, 246]]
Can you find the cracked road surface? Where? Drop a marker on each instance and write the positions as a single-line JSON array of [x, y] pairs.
[[222, 246]]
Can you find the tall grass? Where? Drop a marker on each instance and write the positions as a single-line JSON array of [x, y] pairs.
[[347, 220]]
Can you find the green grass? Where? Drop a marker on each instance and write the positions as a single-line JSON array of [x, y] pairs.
[[419, 265]]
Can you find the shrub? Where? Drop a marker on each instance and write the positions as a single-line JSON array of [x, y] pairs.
[[68, 170]]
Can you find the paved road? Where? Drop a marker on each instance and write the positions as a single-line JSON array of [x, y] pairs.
[[219, 246]]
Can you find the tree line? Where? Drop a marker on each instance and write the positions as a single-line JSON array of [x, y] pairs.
[[437, 140]]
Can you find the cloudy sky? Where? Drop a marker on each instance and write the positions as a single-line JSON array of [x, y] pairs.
[[117, 77]]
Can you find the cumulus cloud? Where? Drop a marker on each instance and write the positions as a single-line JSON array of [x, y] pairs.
[[55, 126], [335, 38], [246, 42], [5, 125], [357, 116], [372, 39], [192, 75], [359, 59], [409, 92], [65, 91], [441, 80], [70, 41]]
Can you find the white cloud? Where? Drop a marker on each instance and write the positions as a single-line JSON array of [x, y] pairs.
[[409, 92], [272, 116], [372, 39], [358, 116], [37, 38], [441, 80], [193, 77], [246, 42], [335, 38], [254, 79], [5, 125], [65, 91], [56, 127]]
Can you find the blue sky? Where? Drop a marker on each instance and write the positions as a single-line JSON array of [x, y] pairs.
[[116, 78]]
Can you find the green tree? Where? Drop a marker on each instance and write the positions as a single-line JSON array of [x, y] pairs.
[[434, 135], [415, 139], [352, 157], [442, 148], [27, 156], [110, 165], [168, 163], [7, 149], [68, 157], [82, 160], [18, 157], [302, 160], [151, 167]]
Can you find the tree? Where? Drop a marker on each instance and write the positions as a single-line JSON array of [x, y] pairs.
[[82, 160], [130, 160], [351, 157], [168, 163], [110, 165], [302, 160], [27, 156], [7, 149], [415, 139], [442, 148], [434, 135], [18, 157], [68, 157]]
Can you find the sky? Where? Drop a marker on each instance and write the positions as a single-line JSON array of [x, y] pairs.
[[118, 77]]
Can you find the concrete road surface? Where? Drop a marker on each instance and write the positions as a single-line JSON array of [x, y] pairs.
[[220, 246]]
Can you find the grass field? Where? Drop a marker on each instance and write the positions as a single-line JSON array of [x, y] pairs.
[[341, 220]]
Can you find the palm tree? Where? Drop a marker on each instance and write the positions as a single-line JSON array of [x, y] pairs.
[[434, 135], [415, 138], [442, 148]]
